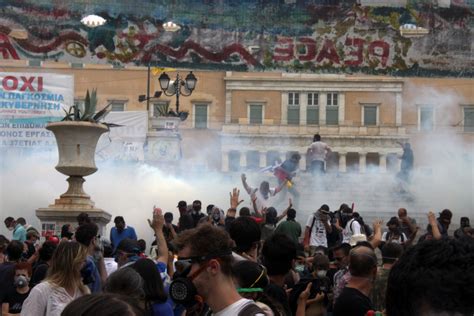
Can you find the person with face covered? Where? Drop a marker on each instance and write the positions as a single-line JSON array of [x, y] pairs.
[[394, 233], [14, 299], [262, 195], [318, 226], [442, 224], [196, 213], [463, 230], [121, 231], [204, 274]]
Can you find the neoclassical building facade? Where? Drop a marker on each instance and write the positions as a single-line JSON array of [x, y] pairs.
[[240, 121]]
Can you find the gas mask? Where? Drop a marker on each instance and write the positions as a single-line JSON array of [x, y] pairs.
[[20, 281], [321, 273], [299, 267], [182, 289]]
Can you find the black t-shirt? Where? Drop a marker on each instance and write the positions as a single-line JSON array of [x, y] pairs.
[[15, 301], [7, 273], [352, 302], [39, 273]]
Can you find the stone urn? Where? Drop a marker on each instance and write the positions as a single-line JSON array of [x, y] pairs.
[[77, 142]]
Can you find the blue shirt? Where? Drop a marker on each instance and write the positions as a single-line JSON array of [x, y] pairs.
[[19, 233], [92, 275], [116, 237]]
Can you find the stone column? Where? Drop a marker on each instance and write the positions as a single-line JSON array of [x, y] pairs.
[[228, 106], [362, 162], [342, 106], [303, 106], [323, 100], [225, 161], [398, 109], [284, 108], [263, 159], [243, 160], [342, 161], [383, 162]]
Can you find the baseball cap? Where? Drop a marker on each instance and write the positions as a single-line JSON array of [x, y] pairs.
[[182, 204], [324, 209], [129, 246]]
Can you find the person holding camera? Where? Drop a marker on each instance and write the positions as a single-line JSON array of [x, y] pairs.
[[318, 226]]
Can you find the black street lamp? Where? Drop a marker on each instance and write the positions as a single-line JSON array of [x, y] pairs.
[[189, 83]]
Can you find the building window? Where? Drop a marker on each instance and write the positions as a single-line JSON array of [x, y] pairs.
[[160, 108], [255, 113], [293, 98], [312, 111], [253, 160], [234, 160], [426, 118], [468, 119], [332, 110], [200, 115], [118, 106], [293, 117], [370, 115]]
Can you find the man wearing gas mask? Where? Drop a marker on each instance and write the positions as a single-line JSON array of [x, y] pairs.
[[14, 298], [204, 277]]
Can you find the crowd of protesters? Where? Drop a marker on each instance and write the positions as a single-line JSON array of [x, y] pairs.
[[245, 261]]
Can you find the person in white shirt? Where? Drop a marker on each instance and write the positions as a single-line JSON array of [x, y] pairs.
[[394, 233], [348, 225], [317, 152], [318, 226], [63, 283], [205, 255], [263, 194]]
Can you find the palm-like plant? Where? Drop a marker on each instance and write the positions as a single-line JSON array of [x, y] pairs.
[[88, 113]]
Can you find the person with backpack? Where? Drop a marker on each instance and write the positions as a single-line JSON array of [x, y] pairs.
[[348, 224], [394, 233], [318, 226]]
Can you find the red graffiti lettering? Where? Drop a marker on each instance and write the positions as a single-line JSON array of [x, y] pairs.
[[381, 50], [285, 53], [6, 83], [27, 83], [328, 51], [310, 45], [11, 83], [6, 48], [40, 84], [357, 53]]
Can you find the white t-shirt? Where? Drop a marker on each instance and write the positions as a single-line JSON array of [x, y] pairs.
[[235, 308], [318, 151], [318, 233], [261, 201], [352, 228], [47, 299], [400, 240]]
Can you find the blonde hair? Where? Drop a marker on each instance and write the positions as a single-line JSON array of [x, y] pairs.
[[66, 263]]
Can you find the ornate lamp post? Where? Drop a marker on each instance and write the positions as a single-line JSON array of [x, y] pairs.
[[177, 86]]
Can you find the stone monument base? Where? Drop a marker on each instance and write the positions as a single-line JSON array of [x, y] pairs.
[[68, 206]]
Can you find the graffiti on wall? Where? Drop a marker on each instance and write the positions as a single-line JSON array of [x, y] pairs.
[[297, 36]]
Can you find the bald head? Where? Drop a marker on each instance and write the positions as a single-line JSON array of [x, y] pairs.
[[362, 262], [402, 212]]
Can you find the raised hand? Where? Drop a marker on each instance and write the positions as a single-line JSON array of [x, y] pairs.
[[431, 218], [158, 219], [234, 198]]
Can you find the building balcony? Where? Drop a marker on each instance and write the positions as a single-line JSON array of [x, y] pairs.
[[300, 130]]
